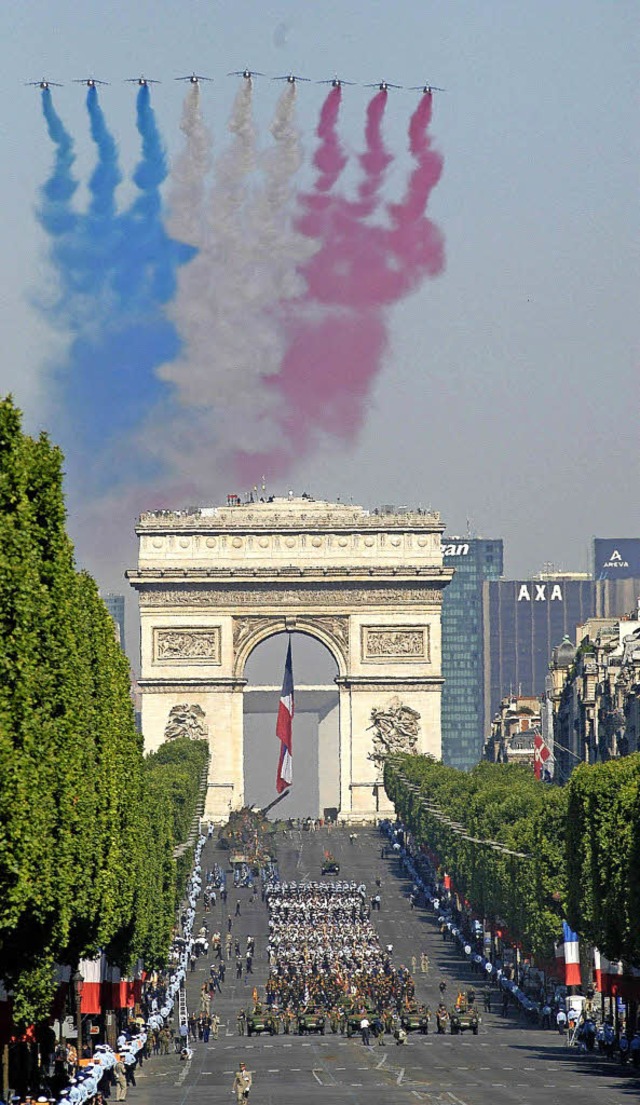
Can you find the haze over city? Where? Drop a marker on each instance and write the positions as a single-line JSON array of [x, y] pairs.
[[320, 649], [506, 384]]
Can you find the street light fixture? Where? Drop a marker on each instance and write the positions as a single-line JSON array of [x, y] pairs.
[[78, 984]]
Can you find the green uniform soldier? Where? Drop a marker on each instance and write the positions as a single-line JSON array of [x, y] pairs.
[[241, 1021]]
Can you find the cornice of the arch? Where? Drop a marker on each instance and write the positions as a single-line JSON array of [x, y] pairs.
[[251, 630]]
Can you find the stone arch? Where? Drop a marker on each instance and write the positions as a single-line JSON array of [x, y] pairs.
[[251, 631], [214, 583]]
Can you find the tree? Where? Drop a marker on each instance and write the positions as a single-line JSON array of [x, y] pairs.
[[88, 828], [604, 850], [70, 757], [498, 832]]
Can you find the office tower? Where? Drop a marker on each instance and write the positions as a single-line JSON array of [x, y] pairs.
[[524, 621], [115, 606], [616, 570], [463, 709]]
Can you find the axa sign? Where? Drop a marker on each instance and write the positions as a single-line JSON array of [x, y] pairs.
[[617, 557], [539, 592]]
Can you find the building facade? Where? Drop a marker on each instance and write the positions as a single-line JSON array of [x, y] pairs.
[[115, 605], [523, 621], [596, 694], [513, 732], [616, 570], [616, 558], [474, 561]]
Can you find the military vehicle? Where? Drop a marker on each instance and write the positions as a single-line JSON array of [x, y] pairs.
[[416, 1020], [354, 1016], [259, 1021], [330, 865], [311, 1020], [464, 1017]]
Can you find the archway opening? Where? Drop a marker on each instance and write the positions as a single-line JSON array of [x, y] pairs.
[[316, 762]]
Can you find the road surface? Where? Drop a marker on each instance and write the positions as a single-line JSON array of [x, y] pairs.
[[507, 1063]]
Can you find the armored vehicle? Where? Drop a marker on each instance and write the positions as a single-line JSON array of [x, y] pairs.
[[354, 1016], [416, 1020], [330, 865], [259, 1021], [311, 1020], [464, 1017]]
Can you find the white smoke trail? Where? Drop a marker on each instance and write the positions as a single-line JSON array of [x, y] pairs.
[[230, 297], [277, 247], [188, 175], [208, 308]]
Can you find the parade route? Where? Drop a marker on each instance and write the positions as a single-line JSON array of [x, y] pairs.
[[507, 1063]]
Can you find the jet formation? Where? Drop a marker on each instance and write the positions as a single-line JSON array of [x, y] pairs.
[[247, 75]]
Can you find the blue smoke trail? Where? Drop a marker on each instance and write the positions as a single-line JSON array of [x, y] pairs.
[[56, 214], [117, 272], [106, 176]]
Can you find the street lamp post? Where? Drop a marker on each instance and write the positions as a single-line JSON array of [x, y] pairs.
[[78, 984]]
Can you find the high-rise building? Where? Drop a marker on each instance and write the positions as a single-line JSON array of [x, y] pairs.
[[463, 709], [616, 570], [115, 606], [616, 558], [524, 620]]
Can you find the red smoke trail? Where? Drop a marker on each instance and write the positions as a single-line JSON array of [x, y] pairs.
[[337, 331], [414, 240], [330, 158], [375, 159]]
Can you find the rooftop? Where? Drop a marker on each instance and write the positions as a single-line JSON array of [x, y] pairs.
[[301, 511]]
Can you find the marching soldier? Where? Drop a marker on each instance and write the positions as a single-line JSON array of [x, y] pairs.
[[242, 1084]]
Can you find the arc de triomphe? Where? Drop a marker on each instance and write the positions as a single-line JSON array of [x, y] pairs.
[[215, 583]]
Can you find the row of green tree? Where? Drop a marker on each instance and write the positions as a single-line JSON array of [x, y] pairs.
[[525, 854], [87, 826]]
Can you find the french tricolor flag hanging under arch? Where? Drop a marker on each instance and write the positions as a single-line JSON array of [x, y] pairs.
[[284, 728]]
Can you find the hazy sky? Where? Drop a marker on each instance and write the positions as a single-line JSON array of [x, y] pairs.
[[509, 394]]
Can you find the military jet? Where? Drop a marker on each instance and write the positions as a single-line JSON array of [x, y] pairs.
[[42, 84], [426, 89], [335, 82], [291, 78], [383, 85], [247, 74], [195, 78], [90, 82], [142, 81]]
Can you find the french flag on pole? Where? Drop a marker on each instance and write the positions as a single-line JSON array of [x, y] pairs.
[[284, 727], [571, 956]]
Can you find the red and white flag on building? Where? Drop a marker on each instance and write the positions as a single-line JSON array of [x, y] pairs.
[[613, 979], [540, 755], [91, 971], [284, 728]]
